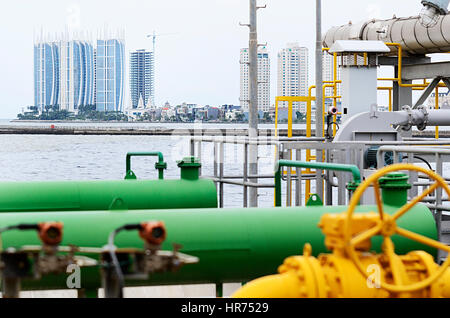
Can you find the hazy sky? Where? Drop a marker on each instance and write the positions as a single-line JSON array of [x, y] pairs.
[[200, 63]]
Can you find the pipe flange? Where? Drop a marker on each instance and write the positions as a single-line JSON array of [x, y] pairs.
[[409, 124], [422, 125]]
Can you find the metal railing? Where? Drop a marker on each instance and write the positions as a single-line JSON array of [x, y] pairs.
[[244, 179], [298, 184]]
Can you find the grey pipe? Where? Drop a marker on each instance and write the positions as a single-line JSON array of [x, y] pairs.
[[420, 117], [414, 38]]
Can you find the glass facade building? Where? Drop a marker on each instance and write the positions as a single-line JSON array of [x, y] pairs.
[[73, 73], [110, 75], [76, 74], [46, 75], [141, 78]]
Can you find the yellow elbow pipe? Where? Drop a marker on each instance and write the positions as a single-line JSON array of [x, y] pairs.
[[285, 285]]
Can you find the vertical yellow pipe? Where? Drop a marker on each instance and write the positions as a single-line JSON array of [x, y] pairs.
[[276, 135], [390, 100], [290, 122], [276, 117], [290, 119], [335, 89], [308, 134]]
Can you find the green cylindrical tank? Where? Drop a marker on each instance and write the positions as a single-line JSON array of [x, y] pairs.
[[188, 192], [233, 245]]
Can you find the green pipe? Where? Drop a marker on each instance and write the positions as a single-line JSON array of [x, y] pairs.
[[187, 192], [106, 195], [311, 165], [233, 245], [160, 165]]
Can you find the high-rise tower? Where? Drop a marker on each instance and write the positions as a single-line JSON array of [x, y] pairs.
[[110, 74], [263, 79], [141, 78], [46, 75], [293, 74], [76, 75]]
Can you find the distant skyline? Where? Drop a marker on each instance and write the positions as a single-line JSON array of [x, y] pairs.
[[199, 63]]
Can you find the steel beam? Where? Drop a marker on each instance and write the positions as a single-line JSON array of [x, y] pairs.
[[407, 60], [428, 70], [426, 93]]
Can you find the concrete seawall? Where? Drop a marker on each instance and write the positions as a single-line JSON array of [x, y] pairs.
[[125, 131]]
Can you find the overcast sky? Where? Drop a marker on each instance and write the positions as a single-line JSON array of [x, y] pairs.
[[200, 63]]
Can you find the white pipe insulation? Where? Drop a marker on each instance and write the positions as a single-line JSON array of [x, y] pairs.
[[417, 35]]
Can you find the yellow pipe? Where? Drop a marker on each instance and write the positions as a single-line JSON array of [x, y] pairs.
[[387, 88], [323, 103], [308, 134], [335, 89], [285, 285], [400, 62], [390, 100], [290, 107], [276, 117], [332, 82], [308, 100]]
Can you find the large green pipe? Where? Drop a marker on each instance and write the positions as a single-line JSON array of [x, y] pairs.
[[311, 165], [233, 245], [188, 192]]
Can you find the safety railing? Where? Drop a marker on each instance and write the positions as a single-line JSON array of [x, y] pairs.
[[230, 165], [243, 178]]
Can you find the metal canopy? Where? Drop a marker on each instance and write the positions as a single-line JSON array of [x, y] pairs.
[[354, 46]]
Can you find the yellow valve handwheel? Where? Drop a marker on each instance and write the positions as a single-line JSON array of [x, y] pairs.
[[387, 227]]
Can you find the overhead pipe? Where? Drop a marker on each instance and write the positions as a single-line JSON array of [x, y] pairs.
[[414, 37]]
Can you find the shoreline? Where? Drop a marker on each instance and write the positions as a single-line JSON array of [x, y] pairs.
[[127, 122], [161, 131], [130, 131]]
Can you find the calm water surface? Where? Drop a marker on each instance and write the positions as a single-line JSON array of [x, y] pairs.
[[53, 157]]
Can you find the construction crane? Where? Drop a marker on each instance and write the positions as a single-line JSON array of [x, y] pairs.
[[153, 37]]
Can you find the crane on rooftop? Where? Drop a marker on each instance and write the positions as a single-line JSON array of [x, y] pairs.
[[154, 36]]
